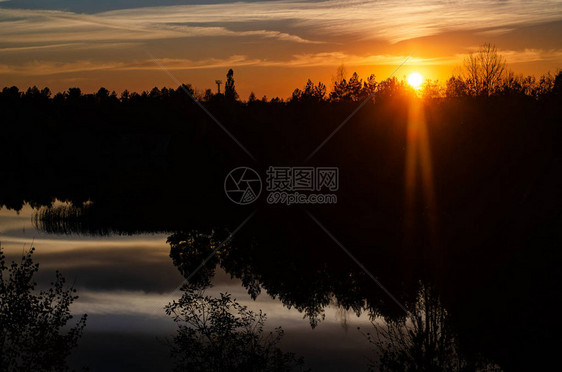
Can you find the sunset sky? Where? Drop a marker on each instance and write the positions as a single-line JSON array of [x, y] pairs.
[[273, 46]]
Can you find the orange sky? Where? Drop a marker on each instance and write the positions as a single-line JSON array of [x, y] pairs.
[[273, 46]]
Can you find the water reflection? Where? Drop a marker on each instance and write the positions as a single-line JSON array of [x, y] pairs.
[[283, 254], [424, 340], [299, 270]]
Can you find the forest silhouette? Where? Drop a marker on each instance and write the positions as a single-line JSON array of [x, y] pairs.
[[487, 241]]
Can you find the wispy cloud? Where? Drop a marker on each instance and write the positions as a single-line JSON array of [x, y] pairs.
[[43, 26], [322, 21], [73, 46], [304, 60], [39, 68], [532, 55], [296, 61], [522, 56], [337, 58]]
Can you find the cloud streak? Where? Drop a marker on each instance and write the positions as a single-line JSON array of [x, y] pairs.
[[38, 68], [43, 26], [325, 21]]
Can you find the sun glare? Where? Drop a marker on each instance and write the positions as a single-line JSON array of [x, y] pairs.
[[415, 80]]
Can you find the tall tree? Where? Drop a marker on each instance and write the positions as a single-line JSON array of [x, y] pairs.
[[483, 71], [354, 87], [339, 84], [229, 88]]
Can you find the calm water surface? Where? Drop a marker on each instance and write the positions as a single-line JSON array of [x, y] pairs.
[[124, 282]]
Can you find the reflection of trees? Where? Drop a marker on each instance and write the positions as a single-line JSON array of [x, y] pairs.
[[200, 246], [219, 334], [422, 341], [303, 275], [31, 322]]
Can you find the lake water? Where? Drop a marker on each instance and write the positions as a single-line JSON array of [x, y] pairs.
[[124, 282]]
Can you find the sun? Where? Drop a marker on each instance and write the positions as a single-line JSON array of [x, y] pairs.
[[415, 80]]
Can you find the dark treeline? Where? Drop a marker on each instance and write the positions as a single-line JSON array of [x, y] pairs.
[[343, 90]]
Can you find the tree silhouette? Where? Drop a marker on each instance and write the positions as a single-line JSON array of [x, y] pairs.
[[353, 90], [557, 86], [354, 87], [219, 334], [74, 93], [431, 90], [311, 93], [369, 86], [103, 93], [483, 71], [455, 87], [31, 323], [229, 88]]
